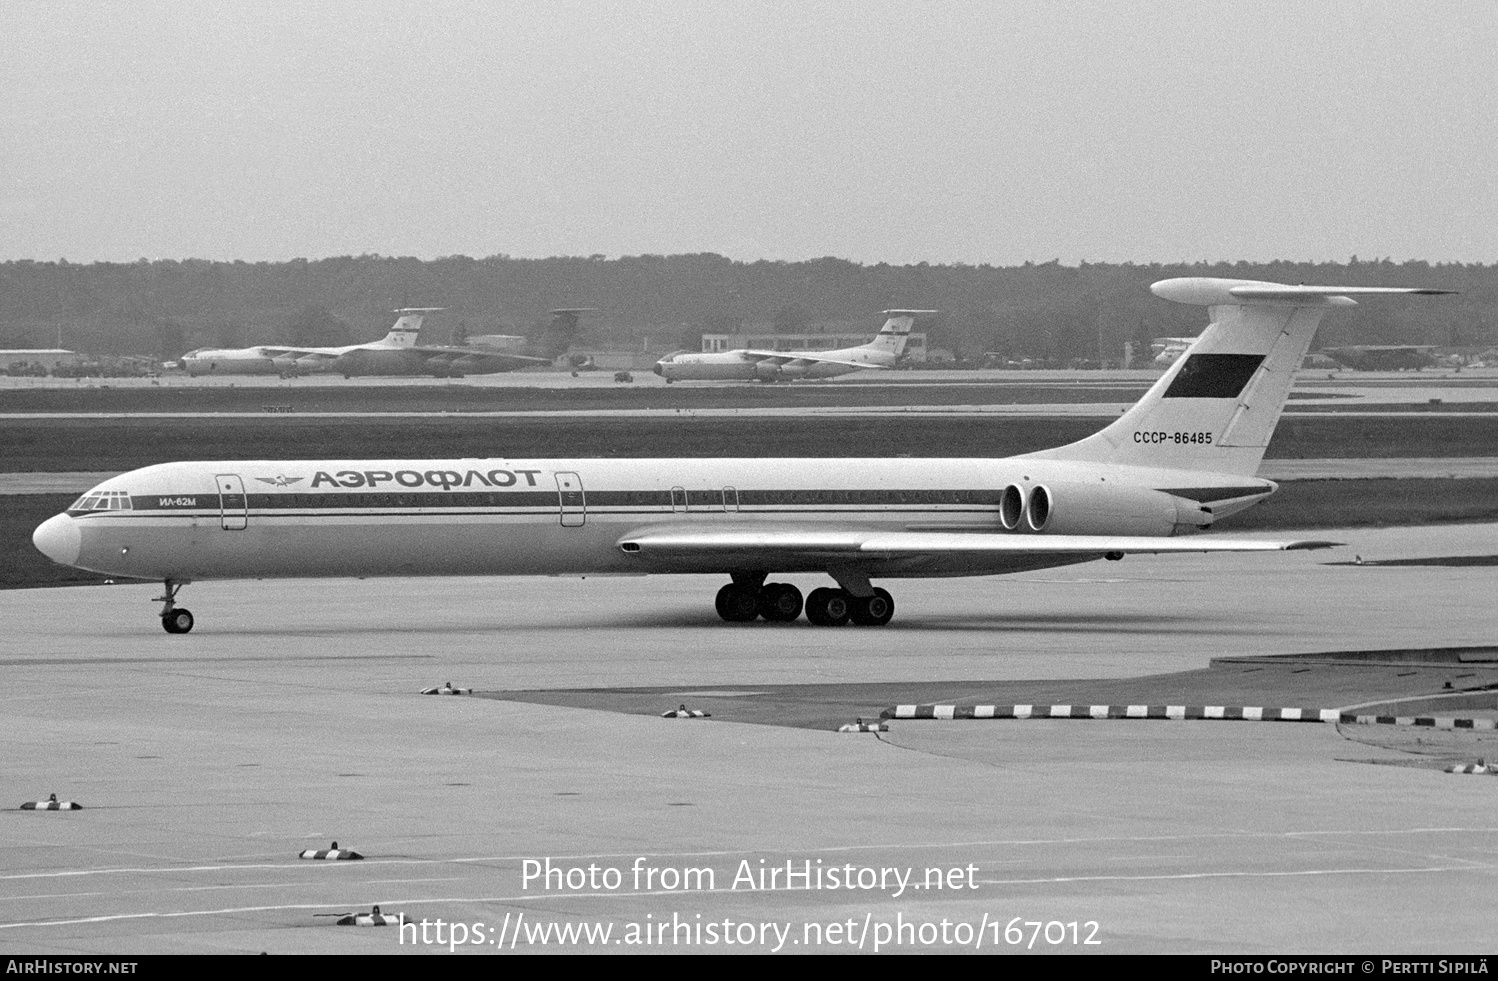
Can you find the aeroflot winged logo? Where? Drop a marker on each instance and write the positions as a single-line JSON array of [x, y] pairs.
[[280, 481]]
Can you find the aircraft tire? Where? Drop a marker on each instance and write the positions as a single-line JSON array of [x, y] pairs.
[[828, 607], [178, 621], [737, 604], [873, 611], [779, 602]]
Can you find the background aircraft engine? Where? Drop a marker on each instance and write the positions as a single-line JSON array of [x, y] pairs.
[[1107, 509], [285, 363], [767, 371], [312, 363], [348, 364], [447, 366]]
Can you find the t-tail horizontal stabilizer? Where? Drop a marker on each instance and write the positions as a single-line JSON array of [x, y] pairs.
[[408, 326], [896, 330], [1216, 407]]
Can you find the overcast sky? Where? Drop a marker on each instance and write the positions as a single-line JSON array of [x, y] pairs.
[[975, 132]]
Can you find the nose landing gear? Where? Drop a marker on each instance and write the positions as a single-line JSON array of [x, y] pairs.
[[174, 619]]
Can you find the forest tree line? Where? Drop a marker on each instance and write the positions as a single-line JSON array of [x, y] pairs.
[[1044, 311]]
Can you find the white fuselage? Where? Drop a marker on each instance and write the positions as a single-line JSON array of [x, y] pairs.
[[268, 359], [745, 366], [192, 521], [230, 361]]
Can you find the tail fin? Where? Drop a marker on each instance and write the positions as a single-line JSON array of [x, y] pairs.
[[408, 326], [896, 331], [560, 333], [1216, 407]]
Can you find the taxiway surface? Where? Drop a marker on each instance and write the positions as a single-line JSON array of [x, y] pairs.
[[289, 718]]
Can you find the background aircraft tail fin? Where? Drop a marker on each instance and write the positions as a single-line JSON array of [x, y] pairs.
[[896, 331], [1216, 407], [408, 326], [563, 329]]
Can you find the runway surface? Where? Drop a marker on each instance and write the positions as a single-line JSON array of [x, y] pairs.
[[289, 718]]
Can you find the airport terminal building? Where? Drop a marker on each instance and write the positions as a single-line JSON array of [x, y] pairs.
[[48, 358]]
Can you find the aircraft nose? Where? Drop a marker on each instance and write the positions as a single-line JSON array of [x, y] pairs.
[[58, 539]]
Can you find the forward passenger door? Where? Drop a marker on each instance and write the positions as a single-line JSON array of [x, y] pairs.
[[572, 503], [233, 505]]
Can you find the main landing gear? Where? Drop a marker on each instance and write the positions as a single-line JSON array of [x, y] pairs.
[[174, 619], [741, 601]]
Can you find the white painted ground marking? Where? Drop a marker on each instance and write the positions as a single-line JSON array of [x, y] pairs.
[[1228, 875], [531, 898], [244, 885], [826, 849]]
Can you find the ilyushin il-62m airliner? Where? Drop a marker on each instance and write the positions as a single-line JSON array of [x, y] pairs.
[[1182, 457]]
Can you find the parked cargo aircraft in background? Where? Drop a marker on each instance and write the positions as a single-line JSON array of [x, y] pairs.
[[1363, 357], [1383, 357], [745, 364], [1168, 349], [397, 353], [1184, 456], [273, 359]]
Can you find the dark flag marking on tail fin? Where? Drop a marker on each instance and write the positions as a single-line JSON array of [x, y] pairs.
[[1214, 376]]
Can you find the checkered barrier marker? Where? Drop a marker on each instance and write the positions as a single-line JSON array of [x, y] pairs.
[[332, 854], [51, 805], [1471, 768], [864, 727], [447, 690], [683, 713], [1233, 713], [1228, 713], [1435, 722]]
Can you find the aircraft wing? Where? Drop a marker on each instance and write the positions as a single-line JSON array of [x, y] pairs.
[[478, 352], [266, 351], [1275, 291], [786, 357], [674, 542]]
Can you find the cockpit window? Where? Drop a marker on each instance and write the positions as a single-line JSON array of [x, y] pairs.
[[102, 501]]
